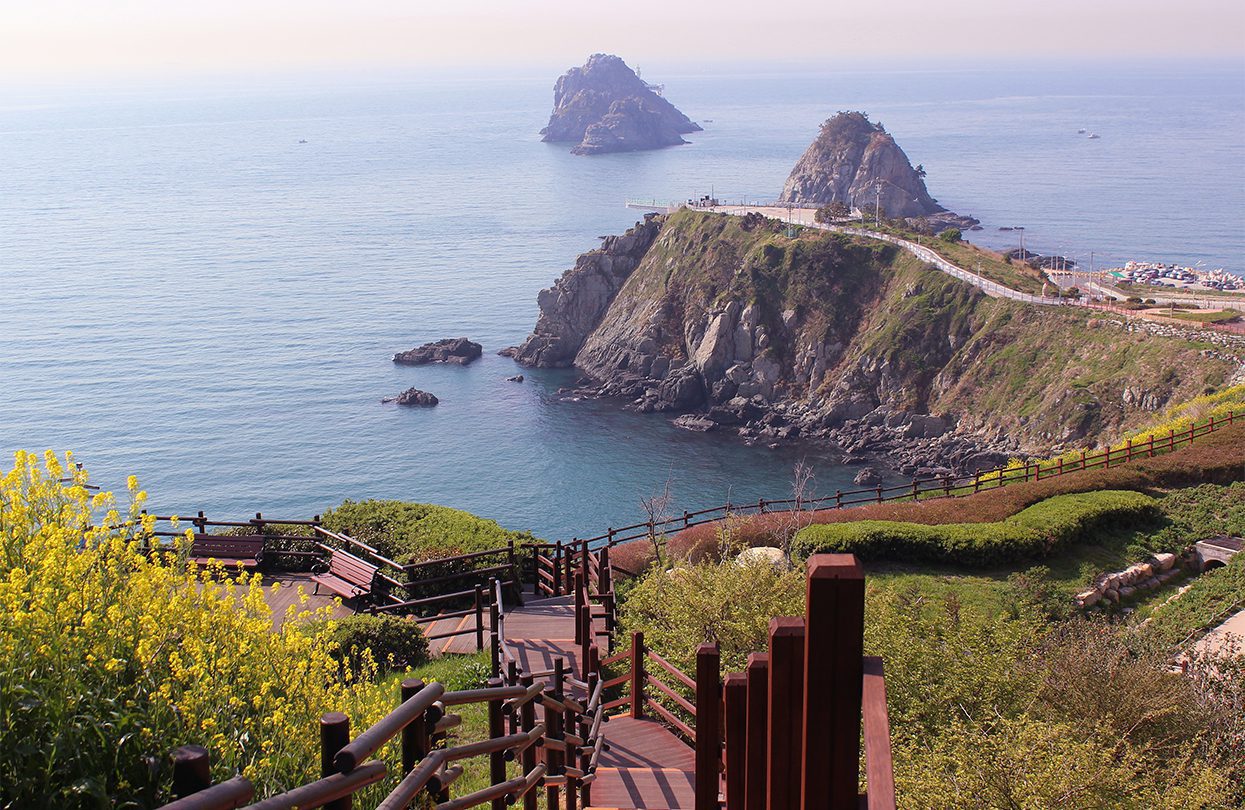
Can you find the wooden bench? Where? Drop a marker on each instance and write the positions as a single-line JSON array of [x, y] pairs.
[[231, 551], [346, 575]]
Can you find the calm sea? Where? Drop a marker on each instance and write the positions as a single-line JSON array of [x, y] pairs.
[[191, 294]]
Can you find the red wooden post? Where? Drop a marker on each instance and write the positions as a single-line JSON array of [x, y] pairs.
[[735, 696], [833, 669], [415, 735], [755, 752], [1150, 450], [527, 719], [915, 491], [584, 620], [479, 618], [1171, 438], [786, 712], [555, 755], [637, 674], [708, 726], [496, 728], [1082, 458], [192, 770], [838, 499], [1108, 456], [1128, 450], [1060, 470], [605, 583], [579, 608], [334, 736], [557, 568], [569, 568]]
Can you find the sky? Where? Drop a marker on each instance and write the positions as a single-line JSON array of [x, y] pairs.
[[55, 39]]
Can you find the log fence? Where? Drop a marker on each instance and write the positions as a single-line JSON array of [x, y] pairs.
[[916, 490], [559, 755]]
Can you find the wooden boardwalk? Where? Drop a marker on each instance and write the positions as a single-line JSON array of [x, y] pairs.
[[646, 765]]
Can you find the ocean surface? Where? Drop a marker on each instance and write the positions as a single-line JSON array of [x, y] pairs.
[[191, 294]]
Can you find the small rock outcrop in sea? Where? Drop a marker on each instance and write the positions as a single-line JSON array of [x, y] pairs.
[[515, 378], [605, 107], [451, 350], [414, 397], [856, 162]]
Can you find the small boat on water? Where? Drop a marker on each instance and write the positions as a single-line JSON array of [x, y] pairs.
[[304, 140], [1093, 136], [1080, 132]]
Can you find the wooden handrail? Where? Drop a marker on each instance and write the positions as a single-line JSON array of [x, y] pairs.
[[456, 558], [323, 791], [671, 668], [683, 703]]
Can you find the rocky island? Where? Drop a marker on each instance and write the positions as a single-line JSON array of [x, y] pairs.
[[413, 397], [605, 107], [736, 326], [857, 163], [459, 351]]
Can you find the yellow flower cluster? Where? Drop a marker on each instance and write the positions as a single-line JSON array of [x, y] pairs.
[[114, 651]]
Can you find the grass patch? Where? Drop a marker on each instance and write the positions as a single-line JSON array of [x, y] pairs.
[[1203, 316]]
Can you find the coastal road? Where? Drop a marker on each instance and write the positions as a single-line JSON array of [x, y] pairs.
[[804, 216]]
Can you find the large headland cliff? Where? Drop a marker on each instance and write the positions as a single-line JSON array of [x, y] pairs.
[[738, 326], [604, 106]]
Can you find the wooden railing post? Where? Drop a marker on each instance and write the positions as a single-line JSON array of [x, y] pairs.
[[554, 754], [584, 622], [495, 638], [557, 568], [527, 720], [605, 583], [334, 736], [479, 618], [192, 770], [585, 566], [755, 752], [833, 669], [735, 698], [579, 608], [786, 713], [496, 728], [637, 674], [415, 735], [708, 726]]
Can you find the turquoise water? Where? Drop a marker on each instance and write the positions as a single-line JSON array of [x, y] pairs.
[[189, 294]]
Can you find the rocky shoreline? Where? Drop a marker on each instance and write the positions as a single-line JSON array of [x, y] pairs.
[[909, 444]]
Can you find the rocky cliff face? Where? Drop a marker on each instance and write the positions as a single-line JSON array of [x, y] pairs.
[[857, 163], [738, 328], [605, 107], [575, 305]]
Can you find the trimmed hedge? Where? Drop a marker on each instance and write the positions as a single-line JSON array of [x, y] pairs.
[[1033, 532], [415, 532]]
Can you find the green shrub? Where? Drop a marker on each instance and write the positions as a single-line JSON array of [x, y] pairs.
[[1033, 532], [415, 532], [727, 603], [951, 235], [392, 643]]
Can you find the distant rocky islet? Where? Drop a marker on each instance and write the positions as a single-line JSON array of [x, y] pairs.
[[605, 107]]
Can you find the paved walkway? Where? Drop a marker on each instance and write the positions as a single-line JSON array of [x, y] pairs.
[[646, 766], [1222, 638]]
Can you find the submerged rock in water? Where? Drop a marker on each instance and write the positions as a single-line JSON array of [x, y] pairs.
[[515, 378], [868, 477], [414, 397], [450, 350]]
